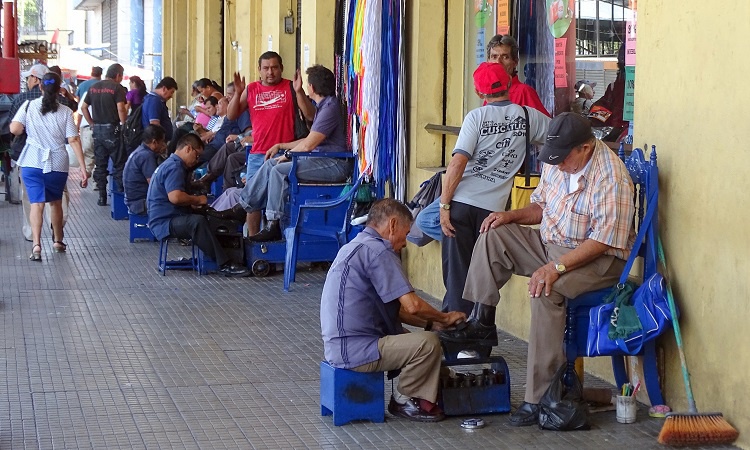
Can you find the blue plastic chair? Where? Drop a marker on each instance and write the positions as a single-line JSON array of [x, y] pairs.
[[645, 175], [338, 232]]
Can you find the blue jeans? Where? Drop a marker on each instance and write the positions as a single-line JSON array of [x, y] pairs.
[[428, 220], [269, 187]]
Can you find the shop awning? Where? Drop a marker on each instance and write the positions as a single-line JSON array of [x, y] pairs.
[[80, 63]]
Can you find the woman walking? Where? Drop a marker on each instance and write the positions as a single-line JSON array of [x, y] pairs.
[[44, 160]]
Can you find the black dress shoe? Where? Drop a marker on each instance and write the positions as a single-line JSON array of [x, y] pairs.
[[236, 214], [526, 414], [473, 333], [232, 270], [413, 411], [271, 233]]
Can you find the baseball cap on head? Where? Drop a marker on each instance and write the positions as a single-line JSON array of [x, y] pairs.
[[37, 70], [580, 83], [491, 78], [566, 131]]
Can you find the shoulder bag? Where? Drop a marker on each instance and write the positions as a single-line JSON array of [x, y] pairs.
[[19, 142], [648, 303]]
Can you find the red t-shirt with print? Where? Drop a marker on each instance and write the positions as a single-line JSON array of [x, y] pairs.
[[271, 113]]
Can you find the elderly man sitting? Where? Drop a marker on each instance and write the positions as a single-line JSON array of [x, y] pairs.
[[367, 297], [267, 189]]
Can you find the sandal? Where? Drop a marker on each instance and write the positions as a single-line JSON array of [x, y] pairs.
[[36, 255], [59, 247]]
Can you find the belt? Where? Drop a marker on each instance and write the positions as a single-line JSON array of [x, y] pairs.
[[85, 126]]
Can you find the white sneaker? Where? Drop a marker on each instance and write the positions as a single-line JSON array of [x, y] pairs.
[[467, 354]]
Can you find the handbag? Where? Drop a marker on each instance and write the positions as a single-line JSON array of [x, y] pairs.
[[19, 142], [562, 407], [649, 301], [301, 129], [524, 185]]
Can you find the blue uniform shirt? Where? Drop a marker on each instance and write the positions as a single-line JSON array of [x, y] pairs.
[[154, 108], [168, 177], [140, 166], [366, 271], [328, 121]]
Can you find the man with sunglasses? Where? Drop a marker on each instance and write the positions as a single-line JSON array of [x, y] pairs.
[[173, 212]]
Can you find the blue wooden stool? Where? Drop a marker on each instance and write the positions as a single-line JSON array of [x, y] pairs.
[[117, 208], [175, 264], [350, 395], [139, 228]]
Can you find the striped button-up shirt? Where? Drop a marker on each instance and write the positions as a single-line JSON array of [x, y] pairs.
[[601, 208]]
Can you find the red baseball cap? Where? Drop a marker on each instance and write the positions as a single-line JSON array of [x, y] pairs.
[[491, 78]]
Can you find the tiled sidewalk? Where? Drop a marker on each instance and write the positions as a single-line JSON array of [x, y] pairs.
[[100, 351]]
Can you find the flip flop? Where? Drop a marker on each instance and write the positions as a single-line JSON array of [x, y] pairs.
[[659, 411]]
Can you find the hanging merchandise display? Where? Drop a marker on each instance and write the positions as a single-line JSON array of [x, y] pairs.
[[370, 77]]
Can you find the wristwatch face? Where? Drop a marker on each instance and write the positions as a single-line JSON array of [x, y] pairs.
[[445, 205], [560, 267]]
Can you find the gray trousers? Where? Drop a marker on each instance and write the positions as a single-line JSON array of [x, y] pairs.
[[418, 355], [269, 187], [514, 249]]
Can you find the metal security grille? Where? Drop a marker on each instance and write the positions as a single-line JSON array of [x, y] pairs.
[[109, 24]]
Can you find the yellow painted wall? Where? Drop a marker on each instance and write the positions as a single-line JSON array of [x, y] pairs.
[[702, 139], [318, 23]]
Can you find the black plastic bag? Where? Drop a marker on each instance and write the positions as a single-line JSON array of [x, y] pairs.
[[562, 407]]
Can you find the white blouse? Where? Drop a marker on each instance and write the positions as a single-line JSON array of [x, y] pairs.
[[46, 134]]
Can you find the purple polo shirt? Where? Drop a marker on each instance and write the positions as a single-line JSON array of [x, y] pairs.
[[329, 122], [366, 271]]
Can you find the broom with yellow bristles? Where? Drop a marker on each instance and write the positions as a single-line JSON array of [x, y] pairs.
[[691, 428]]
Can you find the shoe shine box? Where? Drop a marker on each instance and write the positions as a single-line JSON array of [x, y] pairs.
[[470, 393]]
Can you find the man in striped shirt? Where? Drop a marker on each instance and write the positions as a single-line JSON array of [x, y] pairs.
[[584, 208]]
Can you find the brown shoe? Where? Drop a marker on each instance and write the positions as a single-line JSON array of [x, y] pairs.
[[416, 409]]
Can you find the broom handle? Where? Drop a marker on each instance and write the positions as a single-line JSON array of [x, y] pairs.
[[677, 334]]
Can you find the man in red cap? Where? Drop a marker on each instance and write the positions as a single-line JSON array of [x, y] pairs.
[[490, 150]]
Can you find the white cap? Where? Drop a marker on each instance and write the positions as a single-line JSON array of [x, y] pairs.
[[37, 70]]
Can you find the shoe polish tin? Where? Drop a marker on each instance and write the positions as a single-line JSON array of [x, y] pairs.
[[472, 424]]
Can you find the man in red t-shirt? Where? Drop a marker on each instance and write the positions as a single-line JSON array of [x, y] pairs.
[[503, 49], [271, 106]]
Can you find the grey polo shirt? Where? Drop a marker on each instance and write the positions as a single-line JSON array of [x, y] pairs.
[[366, 271]]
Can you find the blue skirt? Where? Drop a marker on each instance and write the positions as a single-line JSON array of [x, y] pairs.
[[43, 187]]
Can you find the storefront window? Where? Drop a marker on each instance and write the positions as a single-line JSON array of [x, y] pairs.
[[601, 26]]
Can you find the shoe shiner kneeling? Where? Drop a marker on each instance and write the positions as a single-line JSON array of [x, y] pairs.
[[365, 301]]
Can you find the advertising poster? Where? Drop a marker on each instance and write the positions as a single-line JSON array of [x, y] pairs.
[[630, 35], [503, 17], [561, 75], [629, 104]]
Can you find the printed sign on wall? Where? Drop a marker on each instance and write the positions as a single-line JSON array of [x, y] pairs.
[[561, 75], [629, 104]]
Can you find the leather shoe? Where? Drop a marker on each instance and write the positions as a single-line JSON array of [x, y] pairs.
[[236, 214], [268, 234], [413, 410], [232, 270], [474, 333], [526, 414]]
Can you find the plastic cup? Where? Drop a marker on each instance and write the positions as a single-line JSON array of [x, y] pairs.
[[626, 408]]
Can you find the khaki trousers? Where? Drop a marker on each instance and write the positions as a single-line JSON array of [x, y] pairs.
[[418, 355], [514, 249]]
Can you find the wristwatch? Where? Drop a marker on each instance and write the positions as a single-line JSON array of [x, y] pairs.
[[560, 268], [445, 206], [288, 154]]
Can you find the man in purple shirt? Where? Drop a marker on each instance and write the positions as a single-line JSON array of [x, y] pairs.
[[268, 187], [367, 297]]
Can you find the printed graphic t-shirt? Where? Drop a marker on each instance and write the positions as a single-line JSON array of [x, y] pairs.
[[272, 114], [103, 98]]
